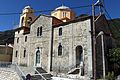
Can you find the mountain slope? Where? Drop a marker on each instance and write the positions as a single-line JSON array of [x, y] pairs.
[[7, 37], [114, 25]]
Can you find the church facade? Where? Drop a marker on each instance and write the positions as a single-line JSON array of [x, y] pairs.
[[60, 43]]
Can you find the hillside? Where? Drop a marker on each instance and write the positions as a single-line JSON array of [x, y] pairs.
[[7, 37], [115, 29]]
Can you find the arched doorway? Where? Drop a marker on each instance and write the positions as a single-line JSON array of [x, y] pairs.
[[79, 55], [37, 61]]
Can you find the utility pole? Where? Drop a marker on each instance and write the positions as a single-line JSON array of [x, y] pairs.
[[100, 5], [100, 9], [94, 41]]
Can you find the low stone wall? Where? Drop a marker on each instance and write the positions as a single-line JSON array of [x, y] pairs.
[[5, 57]]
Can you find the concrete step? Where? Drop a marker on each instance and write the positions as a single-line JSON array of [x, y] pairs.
[[36, 77], [47, 76], [44, 73]]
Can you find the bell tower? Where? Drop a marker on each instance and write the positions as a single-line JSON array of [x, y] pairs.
[[27, 17]]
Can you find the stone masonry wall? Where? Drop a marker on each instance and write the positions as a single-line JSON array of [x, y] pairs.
[[43, 41], [73, 35]]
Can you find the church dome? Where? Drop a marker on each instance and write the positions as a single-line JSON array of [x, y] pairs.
[[27, 7], [62, 7]]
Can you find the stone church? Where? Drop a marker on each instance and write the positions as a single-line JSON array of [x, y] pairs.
[[60, 43]]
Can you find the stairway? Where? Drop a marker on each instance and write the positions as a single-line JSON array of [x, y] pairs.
[[40, 70], [46, 75]]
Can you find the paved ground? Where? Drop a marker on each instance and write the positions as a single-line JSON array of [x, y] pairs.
[[8, 74]]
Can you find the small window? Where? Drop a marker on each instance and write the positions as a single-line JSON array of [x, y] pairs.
[[30, 18], [18, 32], [59, 50], [16, 53], [24, 53], [60, 31], [28, 23], [40, 31], [64, 14], [55, 14], [22, 21], [17, 40], [25, 38]]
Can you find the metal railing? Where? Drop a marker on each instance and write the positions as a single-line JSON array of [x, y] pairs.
[[19, 72]]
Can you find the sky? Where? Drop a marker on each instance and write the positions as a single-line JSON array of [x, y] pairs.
[[8, 22]]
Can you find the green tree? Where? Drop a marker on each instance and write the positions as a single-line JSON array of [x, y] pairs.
[[114, 60], [114, 56]]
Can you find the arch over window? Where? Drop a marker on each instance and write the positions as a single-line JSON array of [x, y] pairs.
[[59, 50], [60, 31]]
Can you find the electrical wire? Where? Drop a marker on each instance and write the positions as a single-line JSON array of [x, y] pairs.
[[114, 23], [39, 11]]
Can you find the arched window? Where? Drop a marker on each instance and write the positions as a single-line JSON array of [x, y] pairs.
[[59, 50], [16, 53], [17, 40], [60, 31], [40, 31], [24, 53], [25, 38]]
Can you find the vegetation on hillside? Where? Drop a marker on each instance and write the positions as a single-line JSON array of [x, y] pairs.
[[114, 54], [7, 37]]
